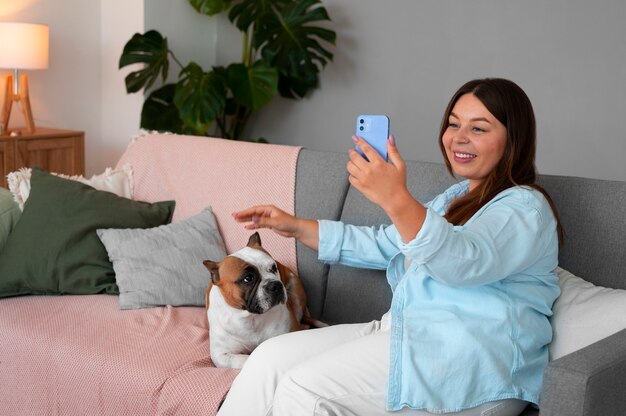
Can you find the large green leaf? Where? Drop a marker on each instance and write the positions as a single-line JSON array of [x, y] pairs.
[[246, 12], [200, 97], [159, 112], [150, 49], [210, 7], [253, 87], [288, 41]]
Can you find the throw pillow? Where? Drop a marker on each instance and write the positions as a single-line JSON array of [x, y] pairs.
[[119, 181], [9, 214], [584, 314], [54, 248], [163, 265]]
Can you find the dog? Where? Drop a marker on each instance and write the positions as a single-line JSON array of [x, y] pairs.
[[251, 298]]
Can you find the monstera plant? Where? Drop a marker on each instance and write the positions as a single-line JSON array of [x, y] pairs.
[[283, 53]]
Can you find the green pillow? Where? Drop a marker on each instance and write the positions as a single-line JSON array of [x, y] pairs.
[[9, 214], [54, 248]]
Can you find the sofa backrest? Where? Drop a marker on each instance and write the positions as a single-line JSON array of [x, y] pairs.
[[321, 187], [592, 213]]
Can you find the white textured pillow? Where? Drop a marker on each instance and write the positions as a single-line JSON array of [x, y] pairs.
[[584, 314], [119, 181], [163, 265]]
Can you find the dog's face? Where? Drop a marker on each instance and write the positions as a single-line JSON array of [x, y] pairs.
[[249, 279]]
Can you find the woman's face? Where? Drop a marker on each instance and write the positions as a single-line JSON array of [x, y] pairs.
[[474, 140]]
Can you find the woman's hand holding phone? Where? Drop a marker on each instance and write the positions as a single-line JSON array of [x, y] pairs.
[[382, 183], [385, 185], [369, 171]]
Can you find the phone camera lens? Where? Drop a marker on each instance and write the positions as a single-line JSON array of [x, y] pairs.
[[362, 121], [361, 128]]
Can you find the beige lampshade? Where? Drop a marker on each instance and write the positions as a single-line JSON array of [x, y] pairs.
[[23, 46]]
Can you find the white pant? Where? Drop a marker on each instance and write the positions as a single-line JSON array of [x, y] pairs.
[[340, 370]]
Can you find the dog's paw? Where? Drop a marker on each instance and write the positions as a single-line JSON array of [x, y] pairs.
[[308, 323], [226, 360], [238, 360]]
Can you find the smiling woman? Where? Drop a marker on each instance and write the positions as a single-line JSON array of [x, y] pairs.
[[474, 140], [488, 136], [471, 271]]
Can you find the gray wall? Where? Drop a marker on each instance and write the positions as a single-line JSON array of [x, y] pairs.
[[190, 35], [405, 58]]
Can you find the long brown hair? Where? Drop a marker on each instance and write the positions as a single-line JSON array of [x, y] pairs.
[[511, 106]]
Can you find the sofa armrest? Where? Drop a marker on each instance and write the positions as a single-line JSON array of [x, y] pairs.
[[588, 382]]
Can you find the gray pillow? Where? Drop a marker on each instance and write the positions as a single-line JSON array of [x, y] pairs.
[[163, 265]]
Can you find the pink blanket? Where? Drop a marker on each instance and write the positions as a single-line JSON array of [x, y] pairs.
[[81, 355], [227, 175]]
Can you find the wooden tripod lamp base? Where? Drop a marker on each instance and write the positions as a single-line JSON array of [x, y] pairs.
[[22, 98]]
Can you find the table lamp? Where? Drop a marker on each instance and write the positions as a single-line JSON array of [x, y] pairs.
[[22, 46]]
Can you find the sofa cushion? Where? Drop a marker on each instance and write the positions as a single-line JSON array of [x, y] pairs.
[[9, 214], [163, 265], [54, 248], [584, 313]]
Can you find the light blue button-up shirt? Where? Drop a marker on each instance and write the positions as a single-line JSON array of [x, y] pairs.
[[470, 313]]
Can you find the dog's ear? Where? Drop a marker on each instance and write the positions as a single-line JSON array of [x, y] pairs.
[[255, 240], [214, 268], [285, 273]]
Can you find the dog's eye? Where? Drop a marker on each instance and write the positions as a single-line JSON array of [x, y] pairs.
[[274, 269], [247, 279]]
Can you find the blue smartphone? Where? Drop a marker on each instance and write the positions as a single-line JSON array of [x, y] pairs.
[[374, 129]]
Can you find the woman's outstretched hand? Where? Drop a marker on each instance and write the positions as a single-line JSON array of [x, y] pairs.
[[282, 223]]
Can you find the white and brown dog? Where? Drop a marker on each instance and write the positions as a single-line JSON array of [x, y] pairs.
[[251, 298]]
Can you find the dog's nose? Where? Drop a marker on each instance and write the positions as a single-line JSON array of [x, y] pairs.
[[274, 286]]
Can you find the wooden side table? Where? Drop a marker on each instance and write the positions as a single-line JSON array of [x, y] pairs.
[[59, 151]]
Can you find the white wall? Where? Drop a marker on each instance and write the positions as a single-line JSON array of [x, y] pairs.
[[67, 94], [82, 89], [121, 112]]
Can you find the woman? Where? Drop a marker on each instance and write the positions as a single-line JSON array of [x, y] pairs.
[[472, 274]]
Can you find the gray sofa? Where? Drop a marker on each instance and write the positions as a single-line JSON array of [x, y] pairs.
[[82, 355], [588, 382]]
